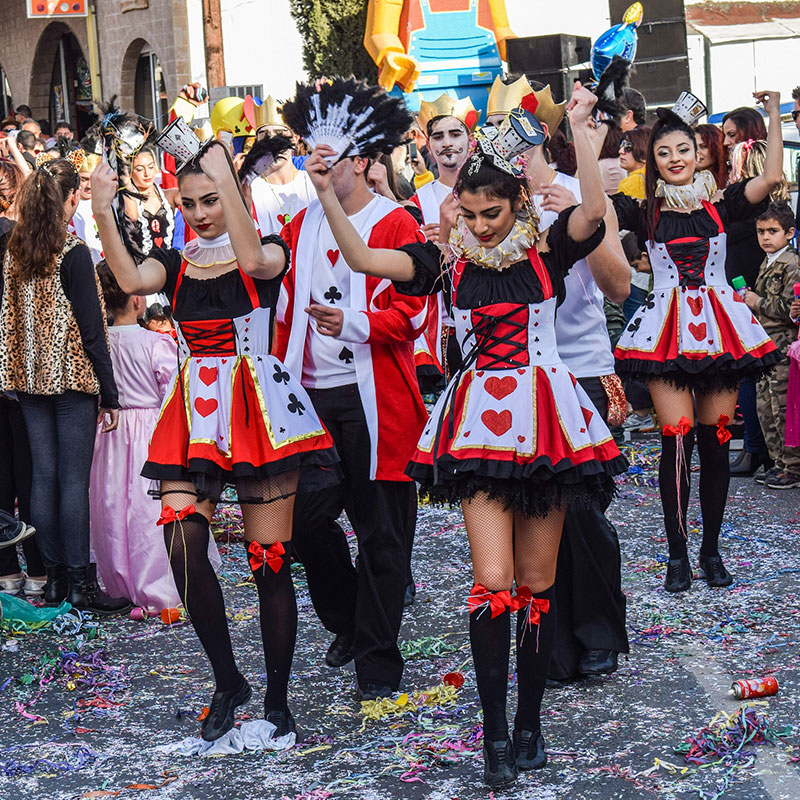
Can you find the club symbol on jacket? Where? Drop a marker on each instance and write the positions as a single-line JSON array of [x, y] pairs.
[[346, 355], [280, 376], [332, 295], [294, 405]]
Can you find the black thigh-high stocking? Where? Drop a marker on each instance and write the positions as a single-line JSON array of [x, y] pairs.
[[712, 447], [535, 643], [490, 638], [187, 545], [674, 481]]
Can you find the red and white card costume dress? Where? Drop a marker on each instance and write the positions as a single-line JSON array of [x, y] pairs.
[[513, 422], [693, 329], [233, 410]]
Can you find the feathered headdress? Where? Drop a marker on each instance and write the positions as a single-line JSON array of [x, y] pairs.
[[609, 89], [261, 156], [350, 116]]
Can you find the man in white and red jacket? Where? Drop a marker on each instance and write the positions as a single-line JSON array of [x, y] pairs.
[[350, 338]]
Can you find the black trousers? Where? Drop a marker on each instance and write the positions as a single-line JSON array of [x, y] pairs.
[[369, 601], [591, 605]]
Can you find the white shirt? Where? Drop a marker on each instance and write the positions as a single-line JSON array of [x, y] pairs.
[[581, 332], [772, 256], [430, 197], [86, 229], [276, 204], [327, 360]]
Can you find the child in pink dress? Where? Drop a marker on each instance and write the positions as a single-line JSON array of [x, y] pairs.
[[129, 547]]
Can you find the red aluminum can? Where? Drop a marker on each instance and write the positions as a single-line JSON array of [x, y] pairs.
[[755, 687]]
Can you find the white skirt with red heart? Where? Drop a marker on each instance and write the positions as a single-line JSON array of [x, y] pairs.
[[529, 436], [702, 337], [236, 416]]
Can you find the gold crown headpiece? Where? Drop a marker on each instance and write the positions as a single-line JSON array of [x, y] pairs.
[[547, 110], [505, 97], [262, 112], [446, 106]]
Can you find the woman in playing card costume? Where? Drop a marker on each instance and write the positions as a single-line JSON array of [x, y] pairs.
[[693, 339], [233, 414], [513, 438]]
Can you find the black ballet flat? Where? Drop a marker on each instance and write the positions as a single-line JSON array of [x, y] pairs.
[[714, 571], [223, 705], [283, 722], [529, 752], [499, 767], [679, 575]]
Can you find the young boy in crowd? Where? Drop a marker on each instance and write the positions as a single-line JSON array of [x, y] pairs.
[[770, 300]]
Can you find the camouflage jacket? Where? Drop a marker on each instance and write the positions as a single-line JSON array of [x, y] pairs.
[[775, 287]]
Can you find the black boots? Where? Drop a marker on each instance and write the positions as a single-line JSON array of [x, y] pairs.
[[529, 752], [55, 590], [85, 594]]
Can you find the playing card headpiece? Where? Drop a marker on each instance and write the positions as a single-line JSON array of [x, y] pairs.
[[261, 156], [518, 132], [260, 113], [689, 108], [609, 89], [447, 106], [350, 116], [181, 142]]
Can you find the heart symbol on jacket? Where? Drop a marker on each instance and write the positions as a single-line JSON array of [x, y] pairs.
[[283, 218], [695, 304], [497, 423], [500, 387], [698, 331], [204, 406], [333, 256], [208, 375], [158, 241]]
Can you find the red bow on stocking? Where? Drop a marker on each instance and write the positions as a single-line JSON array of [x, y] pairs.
[[272, 556], [683, 427], [480, 597], [169, 514], [723, 434], [536, 605]]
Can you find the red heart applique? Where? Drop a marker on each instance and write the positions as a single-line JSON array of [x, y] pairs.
[[500, 387], [520, 439], [333, 256], [497, 423], [158, 241], [283, 218], [698, 331], [204, 406], [479, 373], [695, 304], [467, 433], [587, 415], [208, 375], [521, 371]]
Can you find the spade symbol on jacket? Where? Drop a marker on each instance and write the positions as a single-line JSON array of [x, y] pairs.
[[346, 355]]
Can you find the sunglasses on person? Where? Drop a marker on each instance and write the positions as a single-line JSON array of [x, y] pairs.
[[625, 146], [795, 114]]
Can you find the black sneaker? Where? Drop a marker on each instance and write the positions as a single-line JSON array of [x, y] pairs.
[[598, 662], [499, 767], [341, 650], [220, 715], [784, 480], [410, 594], [373, 691], [714, 571], [14, 531], [767, 475], [283, 722], [529, 752], [679, 575]]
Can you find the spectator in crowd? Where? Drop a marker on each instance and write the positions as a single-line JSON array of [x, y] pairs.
[[26, 142], [632, 156], [610, 170], [742, 124], [711, 153], [635, 107], [64, 130], [22, 113], [8, 125], [770, 300], [31, 125]]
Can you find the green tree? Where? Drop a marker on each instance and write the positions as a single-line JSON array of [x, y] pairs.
[[333, 37]]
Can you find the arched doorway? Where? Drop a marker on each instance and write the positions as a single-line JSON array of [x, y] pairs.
[[61, 82], [143, 80], [6, 104]]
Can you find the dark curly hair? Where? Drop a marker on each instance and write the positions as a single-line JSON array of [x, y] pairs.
[[116, 300], [781, 213], [479, 175]]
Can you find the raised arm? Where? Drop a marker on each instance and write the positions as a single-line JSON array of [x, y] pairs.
[[382, 263], [589, 214], [758, 188], [150, 276], [265, 261]]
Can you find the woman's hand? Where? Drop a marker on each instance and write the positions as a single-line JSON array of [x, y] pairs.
[[449, 212], [109, 418], [216, 164], [318, 169], [557, 198], [771, 100], [580, 106], [378, 179], [431, 231], [105, 185]]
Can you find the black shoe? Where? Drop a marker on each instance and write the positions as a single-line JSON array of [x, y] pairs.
[[411, 593], [560, 683], [783, 480], [341, 650], [714, 571], [55, 590], [14, 531], [738, 460], [598, 662], [220, 714], [679, 575], [283, 722], [499, 767], [529, 749], [86, 595], [750, 463], [767, 475], [373, 691]]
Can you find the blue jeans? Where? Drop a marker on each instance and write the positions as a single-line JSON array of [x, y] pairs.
[[753, 437], [61, 430], [633, 301]]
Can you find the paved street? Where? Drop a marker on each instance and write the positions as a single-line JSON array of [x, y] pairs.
[[91, 732]]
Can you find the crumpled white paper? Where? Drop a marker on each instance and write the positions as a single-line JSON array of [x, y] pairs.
[[255, 735]]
